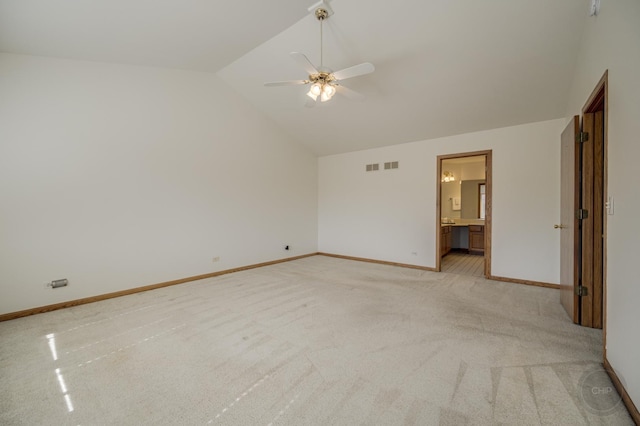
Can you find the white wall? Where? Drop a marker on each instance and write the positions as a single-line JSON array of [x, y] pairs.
[[117, 177], [448, 190], [612, 41], [391, 214], [472, 171]]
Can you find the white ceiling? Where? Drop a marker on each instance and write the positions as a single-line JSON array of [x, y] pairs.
[[203, 35], [443, 67]]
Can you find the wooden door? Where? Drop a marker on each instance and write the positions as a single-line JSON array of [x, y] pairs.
[[568, 226], [583, 219], [591, 227]]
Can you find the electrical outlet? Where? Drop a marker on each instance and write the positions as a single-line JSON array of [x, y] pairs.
[[59, 283], [216, 259]]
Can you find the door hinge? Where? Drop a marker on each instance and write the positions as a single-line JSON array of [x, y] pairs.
[[582, 214], [581, 291], [582, 137]]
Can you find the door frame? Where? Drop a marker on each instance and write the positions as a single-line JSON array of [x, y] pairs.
[[488, 206]]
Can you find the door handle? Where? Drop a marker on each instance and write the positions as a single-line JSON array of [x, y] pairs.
[[559, 226]]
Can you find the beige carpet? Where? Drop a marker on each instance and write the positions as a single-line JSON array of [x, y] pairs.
[[314, 341]]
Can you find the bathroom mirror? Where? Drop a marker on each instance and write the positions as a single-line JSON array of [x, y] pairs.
[[470, 195], [462, 188]]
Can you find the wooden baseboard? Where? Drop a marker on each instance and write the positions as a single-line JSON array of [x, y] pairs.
[[62, 305], [525, 282], [380, 262], [626, 399], [83, 301]]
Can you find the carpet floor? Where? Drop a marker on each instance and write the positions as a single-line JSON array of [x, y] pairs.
[[314, 341]]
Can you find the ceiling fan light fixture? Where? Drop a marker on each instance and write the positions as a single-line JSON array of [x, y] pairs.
[[316, 89], [323, 81], [329, 90]]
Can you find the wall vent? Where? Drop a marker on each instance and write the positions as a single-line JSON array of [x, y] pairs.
[[373, 167], [391, 165]]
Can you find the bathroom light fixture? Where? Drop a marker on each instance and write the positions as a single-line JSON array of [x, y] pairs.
[[448, 177]]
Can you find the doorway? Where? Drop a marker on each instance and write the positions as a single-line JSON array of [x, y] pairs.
[[463, 213], [584, 205]]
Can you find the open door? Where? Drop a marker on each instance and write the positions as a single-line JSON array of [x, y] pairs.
[[583, 218], [569, 202], [592, 221]]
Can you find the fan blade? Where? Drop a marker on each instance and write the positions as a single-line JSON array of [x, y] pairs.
[[354, 71], [286, 83], [304, 62], [349, 93]]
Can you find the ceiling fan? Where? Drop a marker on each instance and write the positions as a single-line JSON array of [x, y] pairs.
[[324, 82]]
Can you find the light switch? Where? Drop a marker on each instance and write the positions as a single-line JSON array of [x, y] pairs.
[[609, 205]]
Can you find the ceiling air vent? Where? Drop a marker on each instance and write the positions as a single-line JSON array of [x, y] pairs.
[[391, 165], [373, 167]]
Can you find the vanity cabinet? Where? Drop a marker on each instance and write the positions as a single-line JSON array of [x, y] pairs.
[[476, 239], [446, 240]]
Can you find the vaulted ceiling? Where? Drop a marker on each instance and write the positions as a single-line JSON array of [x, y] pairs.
[[443, 67]]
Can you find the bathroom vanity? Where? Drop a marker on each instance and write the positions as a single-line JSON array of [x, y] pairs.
[[465, 237]]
